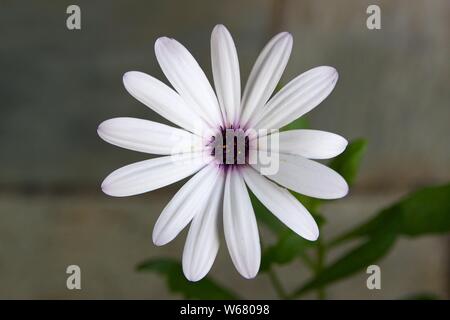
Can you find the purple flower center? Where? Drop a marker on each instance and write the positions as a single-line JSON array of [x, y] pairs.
[[230, 146]]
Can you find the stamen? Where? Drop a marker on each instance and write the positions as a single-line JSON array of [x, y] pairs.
[[230, 147]]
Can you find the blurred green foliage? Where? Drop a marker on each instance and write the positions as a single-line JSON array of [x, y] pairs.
[[348, 162], [426, 211], [171, 269]]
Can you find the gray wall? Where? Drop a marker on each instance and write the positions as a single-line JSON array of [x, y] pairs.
[[57, 85]]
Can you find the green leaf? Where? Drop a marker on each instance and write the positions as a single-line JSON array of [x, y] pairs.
[[289, 247], [300, 123], [421, 296], [277, 88], [265, 216], [276, 226], [426, 211], [385, 219], [348, 162], [172, 270], [354, 261], [311, 204]]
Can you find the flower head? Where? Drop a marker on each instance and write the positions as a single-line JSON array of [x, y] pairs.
[[223, 141]]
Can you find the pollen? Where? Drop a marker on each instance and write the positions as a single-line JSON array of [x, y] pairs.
[[230, 146]]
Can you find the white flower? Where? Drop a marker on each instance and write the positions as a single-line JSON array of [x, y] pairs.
[[219, 190]]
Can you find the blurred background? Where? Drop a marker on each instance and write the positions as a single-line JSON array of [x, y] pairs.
[[57, 85]]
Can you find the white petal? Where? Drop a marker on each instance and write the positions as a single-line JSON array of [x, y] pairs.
[[265, 75], [186, 76], [148, 136], [240, 228], [187, 202], [282, 204], [163, 100], [298, 97], [225, 69], [312, 144], [202, 242], [148, 175], [308, 177]]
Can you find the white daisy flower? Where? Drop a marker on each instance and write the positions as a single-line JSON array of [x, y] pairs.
[[218, 190]]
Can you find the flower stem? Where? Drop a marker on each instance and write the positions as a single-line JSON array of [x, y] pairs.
[[306, 259], [277, 284], [321, 250]]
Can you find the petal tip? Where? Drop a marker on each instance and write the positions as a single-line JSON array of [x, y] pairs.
[[334, 74], [343, 190], [100, 129], [327, 69], [249, 270], [347, 189], [344, 144], [290, 41], [313, 236], [162, 42], [105, 188], [249, 274], [192, 274], [157, 241], [286, 36], [109, 190], [192, 277], [219, 27], [129, 76]]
